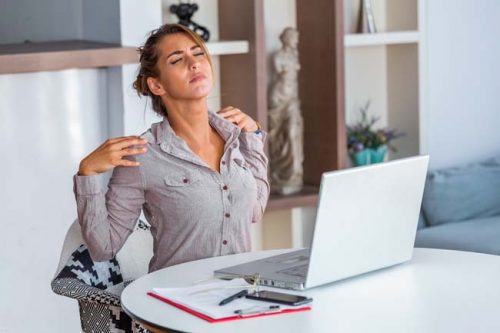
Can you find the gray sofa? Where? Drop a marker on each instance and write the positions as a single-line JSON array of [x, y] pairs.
[[461, 208]]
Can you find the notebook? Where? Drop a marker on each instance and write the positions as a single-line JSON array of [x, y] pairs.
[[366, 220]]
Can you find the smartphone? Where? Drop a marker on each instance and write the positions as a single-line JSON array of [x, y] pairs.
[[281, 298]]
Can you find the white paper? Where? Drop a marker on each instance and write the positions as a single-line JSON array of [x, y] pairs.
[[205, 298]]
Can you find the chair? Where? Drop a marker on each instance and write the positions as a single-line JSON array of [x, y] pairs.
[[97, 285]]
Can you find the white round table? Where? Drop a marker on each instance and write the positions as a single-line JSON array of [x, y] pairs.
[[438, 291]]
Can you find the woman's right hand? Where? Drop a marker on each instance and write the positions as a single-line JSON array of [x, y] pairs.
[[110, 154]]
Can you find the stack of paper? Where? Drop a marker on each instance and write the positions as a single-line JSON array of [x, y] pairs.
[[203, 301]]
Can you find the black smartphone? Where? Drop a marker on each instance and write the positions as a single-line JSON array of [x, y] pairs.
[[281, 298]]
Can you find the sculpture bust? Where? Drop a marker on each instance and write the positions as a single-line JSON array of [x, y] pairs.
[[285, 120]]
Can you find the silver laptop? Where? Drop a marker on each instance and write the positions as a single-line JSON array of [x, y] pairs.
[[366, 220]]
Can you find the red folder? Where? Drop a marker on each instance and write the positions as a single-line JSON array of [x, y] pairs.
[[220, 320]]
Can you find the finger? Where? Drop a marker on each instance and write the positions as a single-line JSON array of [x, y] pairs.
[[124, 162], [113, 141], [243, 123], [129, 142], [225, 109], [121, 138], [228, 109], [132, 151], [236, 118], [230, 113]]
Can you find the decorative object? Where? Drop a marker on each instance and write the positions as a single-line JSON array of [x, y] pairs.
[[366, 22], [184, 12], [377, 155], [367, 145], [285, 119]]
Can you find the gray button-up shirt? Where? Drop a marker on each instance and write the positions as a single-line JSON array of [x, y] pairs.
[[195, 212]]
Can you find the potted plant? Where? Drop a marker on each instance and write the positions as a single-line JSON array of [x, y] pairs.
[[368, 145]]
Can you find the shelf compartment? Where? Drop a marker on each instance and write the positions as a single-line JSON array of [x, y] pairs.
[[383, 38], [308, 196]]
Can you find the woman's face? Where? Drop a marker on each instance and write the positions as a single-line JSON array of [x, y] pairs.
[[185, 72]]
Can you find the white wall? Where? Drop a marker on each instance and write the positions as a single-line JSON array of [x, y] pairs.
[[48, 122], [463, 81]]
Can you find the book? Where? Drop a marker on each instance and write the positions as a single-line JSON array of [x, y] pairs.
[[203, 300]]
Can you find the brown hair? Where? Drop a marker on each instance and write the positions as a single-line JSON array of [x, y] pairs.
[[149, 54]]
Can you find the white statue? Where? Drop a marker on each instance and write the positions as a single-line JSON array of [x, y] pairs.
[[285, 121]]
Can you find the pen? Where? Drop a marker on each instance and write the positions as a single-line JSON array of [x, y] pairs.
[[271, 309], [233, 297]]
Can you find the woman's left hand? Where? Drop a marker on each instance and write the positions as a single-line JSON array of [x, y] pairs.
[[240, 119]]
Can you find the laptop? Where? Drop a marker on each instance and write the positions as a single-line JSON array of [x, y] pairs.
[[366, 220]]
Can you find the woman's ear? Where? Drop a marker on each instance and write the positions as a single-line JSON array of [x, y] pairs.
[[155, 87]]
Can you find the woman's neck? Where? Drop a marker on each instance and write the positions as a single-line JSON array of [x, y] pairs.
[[189, 120]]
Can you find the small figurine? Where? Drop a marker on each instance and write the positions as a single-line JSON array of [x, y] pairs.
[[184, 12]]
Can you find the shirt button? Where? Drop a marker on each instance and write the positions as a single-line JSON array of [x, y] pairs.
[[223, 162], [224, 242], [185, 180], [235, 145], [227, 215], [225, 187]]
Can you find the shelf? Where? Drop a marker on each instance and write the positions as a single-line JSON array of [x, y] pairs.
[[53, 56], [383, 38], [227, 47], [307, 197]]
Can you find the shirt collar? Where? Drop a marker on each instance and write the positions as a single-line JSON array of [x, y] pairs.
[[165, 135]]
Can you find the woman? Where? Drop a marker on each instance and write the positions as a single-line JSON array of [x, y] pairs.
[[199, 177]]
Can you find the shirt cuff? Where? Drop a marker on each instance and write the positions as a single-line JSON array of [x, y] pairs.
[[87, 185], [252, 140]]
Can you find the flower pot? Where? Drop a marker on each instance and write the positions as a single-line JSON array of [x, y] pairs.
[[361, 157], [377, 155]]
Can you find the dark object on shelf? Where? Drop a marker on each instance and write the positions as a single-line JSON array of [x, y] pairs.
[[366, 22], [184, 12]]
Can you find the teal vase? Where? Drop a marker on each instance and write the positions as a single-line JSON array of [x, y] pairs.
[[377, 155], [361, 157]]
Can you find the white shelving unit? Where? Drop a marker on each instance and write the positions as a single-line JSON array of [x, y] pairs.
[[385, 69], [217, 48], [383, 38]]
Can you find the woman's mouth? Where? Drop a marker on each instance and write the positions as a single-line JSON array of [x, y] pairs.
[[197, 78]]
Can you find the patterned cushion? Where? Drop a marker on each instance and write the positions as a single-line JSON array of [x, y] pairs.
[[101, 275]]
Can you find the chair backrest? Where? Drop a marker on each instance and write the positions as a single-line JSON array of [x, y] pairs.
[[133, 257], [72, 241], [136, 253]]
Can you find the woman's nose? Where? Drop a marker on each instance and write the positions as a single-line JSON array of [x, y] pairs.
[[195, 64]]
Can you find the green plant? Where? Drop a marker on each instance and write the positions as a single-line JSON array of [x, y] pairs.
[[362, 134]]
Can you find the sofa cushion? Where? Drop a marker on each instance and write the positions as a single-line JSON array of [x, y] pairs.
[[478, 235], [422, 223], [462, 193]]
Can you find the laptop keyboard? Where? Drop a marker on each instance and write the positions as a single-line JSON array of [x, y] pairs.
[[300, 271]]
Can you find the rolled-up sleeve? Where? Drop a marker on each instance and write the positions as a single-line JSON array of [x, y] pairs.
[[252, 148], [107, 219]]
